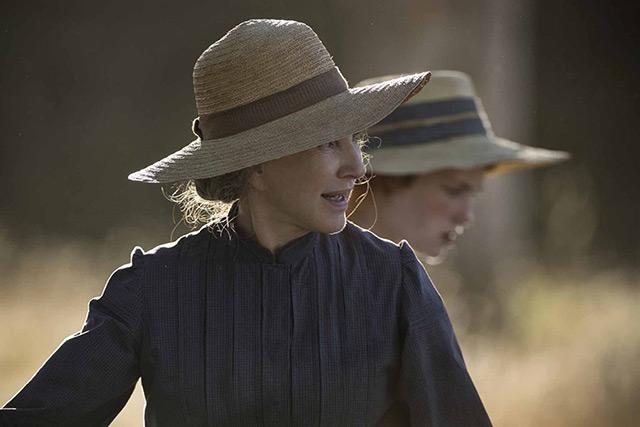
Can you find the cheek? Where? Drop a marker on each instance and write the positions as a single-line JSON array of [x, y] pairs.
[[413, 212], [433, 212], [427, 208], [289, 184], [438, 205]]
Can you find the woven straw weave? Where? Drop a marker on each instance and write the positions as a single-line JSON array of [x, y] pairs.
[[256, 61]]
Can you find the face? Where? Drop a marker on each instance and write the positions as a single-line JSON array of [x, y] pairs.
[[434, 209], [308, 191]]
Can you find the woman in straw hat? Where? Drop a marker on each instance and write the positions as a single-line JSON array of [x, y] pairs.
[[429, 158], [277, 314]]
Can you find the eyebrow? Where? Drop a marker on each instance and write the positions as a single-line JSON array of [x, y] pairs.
[[464, 185]]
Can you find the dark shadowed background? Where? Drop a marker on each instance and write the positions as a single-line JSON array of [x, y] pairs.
[[543, 290]]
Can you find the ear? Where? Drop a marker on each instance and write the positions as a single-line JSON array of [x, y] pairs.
[[256, 178]]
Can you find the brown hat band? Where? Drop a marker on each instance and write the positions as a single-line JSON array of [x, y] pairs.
[[275, 106]]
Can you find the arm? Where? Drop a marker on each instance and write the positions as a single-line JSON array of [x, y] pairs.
[[434, 380], [90, 377]]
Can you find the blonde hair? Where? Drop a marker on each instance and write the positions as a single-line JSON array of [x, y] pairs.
[[206, 200]]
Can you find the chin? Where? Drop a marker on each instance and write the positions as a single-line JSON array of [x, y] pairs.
[[433, 251], [436, 252], [333, 226], [433, 254]]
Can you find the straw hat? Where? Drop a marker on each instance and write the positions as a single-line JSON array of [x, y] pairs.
[[268, 89], [445, 126]]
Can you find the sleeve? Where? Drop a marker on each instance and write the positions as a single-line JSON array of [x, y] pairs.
[[90, 377], [434, 381]]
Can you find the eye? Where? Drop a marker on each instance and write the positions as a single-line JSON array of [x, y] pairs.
[[330, 145], [454, 191]]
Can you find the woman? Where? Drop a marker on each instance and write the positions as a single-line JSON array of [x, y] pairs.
[[429, 158], [277, 314]]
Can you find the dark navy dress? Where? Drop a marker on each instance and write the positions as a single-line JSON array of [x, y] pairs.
[[334, 330]]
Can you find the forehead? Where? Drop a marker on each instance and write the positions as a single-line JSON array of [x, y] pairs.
[[472, 177]]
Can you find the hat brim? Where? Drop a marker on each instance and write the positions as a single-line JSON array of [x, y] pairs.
[[348, 112], [467, 152]]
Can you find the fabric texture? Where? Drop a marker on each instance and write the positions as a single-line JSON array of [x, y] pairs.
[[332, 330]]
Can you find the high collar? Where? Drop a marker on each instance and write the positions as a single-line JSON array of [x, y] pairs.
[[248, 249], [291, 253]]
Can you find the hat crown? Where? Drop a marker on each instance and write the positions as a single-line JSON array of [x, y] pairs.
[[448, 84], [255, 59], [448, 109], [444, 84]]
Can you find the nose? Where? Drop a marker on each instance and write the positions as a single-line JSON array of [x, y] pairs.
[[352, 165]]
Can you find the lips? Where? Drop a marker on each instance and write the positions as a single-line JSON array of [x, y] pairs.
[[449, 237], [452, 235], [335, 197], [338, 196], [338, 199]]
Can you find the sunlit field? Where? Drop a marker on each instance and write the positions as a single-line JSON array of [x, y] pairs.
[[567, 354]]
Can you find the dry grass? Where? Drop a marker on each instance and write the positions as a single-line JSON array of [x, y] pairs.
[[44, 292], [568, 354]]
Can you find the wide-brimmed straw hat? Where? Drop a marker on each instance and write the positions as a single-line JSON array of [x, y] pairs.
[[445, 126], [268, 89]]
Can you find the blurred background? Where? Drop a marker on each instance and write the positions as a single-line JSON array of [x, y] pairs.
[[544, 291]]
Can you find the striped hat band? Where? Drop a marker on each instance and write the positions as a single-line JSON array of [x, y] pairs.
[[420, 123]]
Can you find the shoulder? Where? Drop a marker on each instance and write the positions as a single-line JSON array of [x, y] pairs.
[[373, 244], [372, 251], [190, 244], [128, 284], [380, 255], [368, 239]]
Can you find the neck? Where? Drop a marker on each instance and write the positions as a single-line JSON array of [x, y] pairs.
[[370, 215], [270, 233]]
